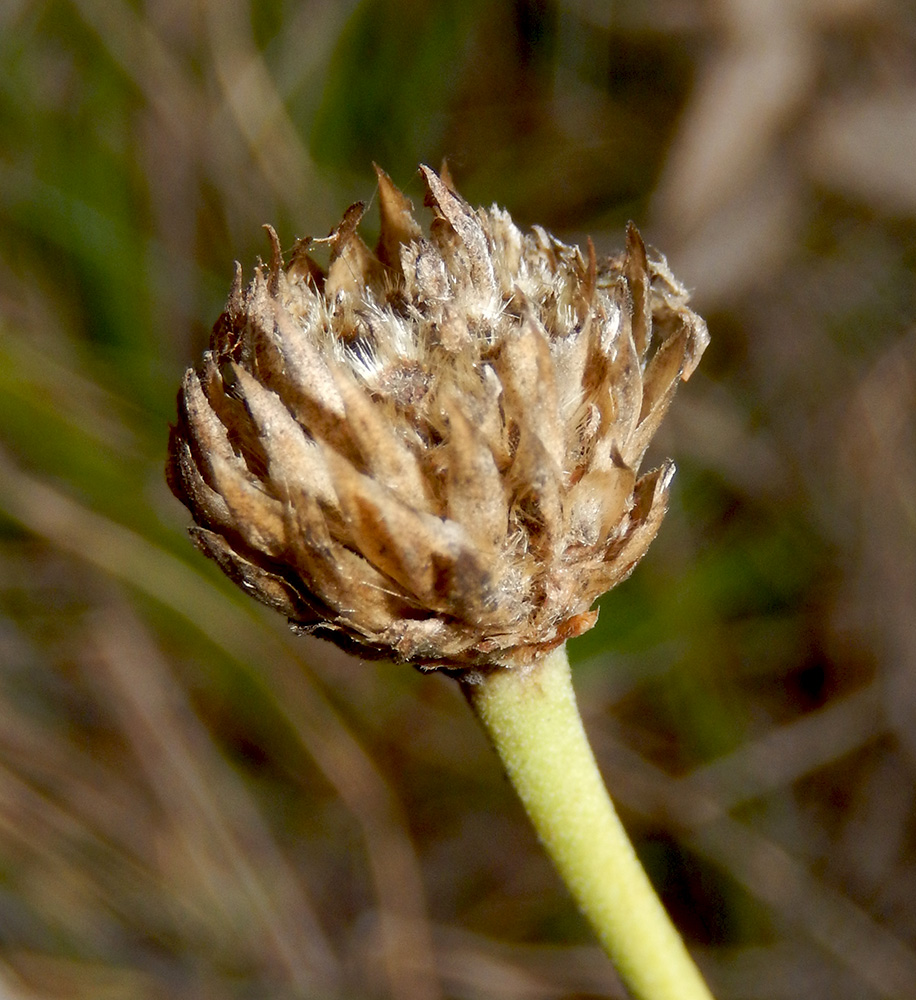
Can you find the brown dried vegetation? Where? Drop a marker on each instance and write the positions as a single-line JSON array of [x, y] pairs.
[[431, 453]]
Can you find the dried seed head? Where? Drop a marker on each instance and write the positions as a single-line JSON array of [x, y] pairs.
[[431, 452]]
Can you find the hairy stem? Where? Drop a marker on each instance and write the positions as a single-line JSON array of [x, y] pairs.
[[533, 722]]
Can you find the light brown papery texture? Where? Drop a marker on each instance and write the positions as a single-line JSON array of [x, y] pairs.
[[431, 451]]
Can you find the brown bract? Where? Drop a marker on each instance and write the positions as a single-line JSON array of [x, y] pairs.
[[431, 452]]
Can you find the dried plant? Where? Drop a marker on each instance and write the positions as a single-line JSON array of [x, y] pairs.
[[431, 453]]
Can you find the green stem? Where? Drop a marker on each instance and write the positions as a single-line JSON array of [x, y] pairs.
[[533, 721]]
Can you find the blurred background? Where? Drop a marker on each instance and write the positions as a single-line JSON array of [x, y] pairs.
[[196, 804]]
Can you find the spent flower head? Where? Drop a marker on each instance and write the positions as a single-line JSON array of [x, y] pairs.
[[431, 452]]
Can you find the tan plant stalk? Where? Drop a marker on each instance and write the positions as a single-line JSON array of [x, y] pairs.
[[430, 452]]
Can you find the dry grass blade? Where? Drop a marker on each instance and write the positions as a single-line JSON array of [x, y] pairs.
[[789, 752], [873, 955], [256, 107], [230, 853]]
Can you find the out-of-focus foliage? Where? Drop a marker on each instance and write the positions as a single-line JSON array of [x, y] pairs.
[[194, 803]]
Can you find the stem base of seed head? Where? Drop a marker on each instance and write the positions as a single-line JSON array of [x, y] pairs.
[[534, 724]]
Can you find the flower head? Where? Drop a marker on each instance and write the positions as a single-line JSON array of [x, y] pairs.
[[431, 452]]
